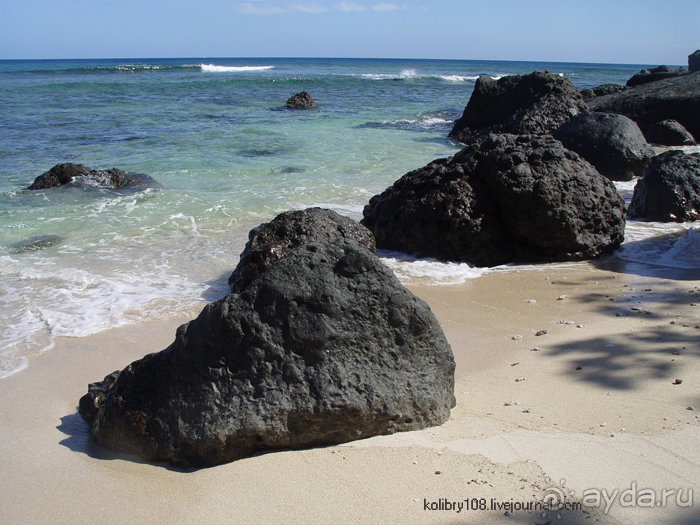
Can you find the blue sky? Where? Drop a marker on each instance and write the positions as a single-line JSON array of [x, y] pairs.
[[616, 31]]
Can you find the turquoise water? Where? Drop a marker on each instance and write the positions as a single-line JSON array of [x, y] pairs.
[[227, 155]]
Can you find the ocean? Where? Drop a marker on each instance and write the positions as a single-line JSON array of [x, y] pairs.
[[213, 132]]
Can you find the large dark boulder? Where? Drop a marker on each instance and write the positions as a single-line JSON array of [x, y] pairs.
[[520, 104], [670, 189], [113, 178], [272, 240], [302, 100], [652, 75], [671, 99], [324, 347], [507, 198], [669, 133], [694, 61], [613, 143]]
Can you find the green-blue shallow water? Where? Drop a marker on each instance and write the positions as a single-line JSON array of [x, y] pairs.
[[214, 133]]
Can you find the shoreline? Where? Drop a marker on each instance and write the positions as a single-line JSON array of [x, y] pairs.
[[527, 422]]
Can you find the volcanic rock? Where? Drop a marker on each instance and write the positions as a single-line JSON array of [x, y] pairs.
[[670, 189], [669, 133], [324, 347], [652, 75], [113, 178], [271, 241], [613, 143], [694, 61], [675, 98], [537, 103], [301, 100], [599, 91], [506, 198]]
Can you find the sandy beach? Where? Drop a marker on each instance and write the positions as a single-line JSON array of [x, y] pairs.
[[577, 380]]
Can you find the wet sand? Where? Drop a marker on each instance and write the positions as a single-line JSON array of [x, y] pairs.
[[588, 408]]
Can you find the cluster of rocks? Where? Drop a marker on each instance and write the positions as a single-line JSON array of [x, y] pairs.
[[322, 347], [533, 183], [319, 343]]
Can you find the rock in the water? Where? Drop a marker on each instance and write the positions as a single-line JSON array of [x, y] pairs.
[[324, 347], [675, 98], [652, 75], [537, 103], [113, 178], [670, 189], [605, 89], [39, 242], [507, 198], [694, 61], [614, 144], [272, 240], [302, 100], [669, 133]]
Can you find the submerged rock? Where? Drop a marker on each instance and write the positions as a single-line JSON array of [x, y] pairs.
[[670, 189], [613, 143], [537, 103], [302, 100], [507, 198], [269, 242], [39, 242], [113, 178], [324, 347]]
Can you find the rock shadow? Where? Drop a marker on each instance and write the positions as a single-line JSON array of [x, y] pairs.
[[78, 440]]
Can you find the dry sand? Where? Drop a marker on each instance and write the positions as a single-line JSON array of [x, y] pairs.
[[586, 409]]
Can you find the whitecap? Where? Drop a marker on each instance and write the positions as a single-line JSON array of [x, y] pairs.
[[211, 68]]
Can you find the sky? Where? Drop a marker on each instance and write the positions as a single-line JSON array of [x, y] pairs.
[[607, 31]]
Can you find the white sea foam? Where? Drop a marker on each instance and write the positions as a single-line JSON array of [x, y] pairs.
[[412, 270], [42, 301], [669, 244], [458, 78], [211, 68], [413, 74]]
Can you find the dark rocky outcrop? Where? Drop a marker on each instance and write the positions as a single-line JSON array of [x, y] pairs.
[[613, 143], [669, 133], [599, 91], [520, 104], [301, 100], [506, 198], [653, 75], [324, 347], [694, 61], [271, 241], [113, 178], [671, 99], [670, 189]]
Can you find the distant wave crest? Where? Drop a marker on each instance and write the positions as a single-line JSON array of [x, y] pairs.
[[211, 68], [409, 74]]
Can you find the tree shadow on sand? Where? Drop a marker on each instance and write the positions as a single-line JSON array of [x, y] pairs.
[[655, 350]]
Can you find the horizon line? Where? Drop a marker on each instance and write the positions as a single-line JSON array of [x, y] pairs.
[[336, 58]]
